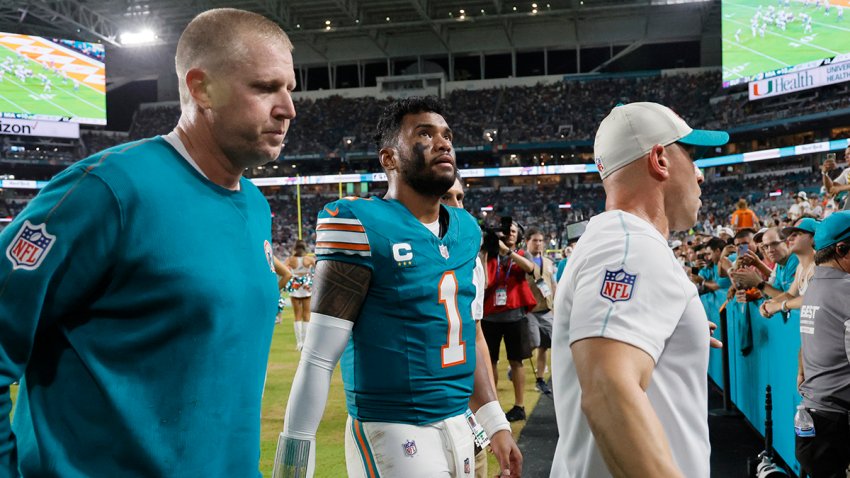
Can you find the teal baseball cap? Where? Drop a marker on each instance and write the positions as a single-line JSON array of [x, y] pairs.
[[832, 230], [807, 225]]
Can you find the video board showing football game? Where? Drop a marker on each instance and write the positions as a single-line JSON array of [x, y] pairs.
[[765, 38], [52, 79]]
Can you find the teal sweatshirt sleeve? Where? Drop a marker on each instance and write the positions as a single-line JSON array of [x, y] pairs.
[[56, 253]]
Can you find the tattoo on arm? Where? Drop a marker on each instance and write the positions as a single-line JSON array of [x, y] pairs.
[[339, 289]]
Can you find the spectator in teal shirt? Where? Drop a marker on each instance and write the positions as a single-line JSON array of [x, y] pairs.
[[563, 264]]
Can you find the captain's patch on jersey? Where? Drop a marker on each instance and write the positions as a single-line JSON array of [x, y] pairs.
[[30, 246], [618, 285], [403, 254]]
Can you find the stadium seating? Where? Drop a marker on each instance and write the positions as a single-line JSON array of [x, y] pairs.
[[569, 110]]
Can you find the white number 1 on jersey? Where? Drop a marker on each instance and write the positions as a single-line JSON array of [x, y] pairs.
[[454, 352]]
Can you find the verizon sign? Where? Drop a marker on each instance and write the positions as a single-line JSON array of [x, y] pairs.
[[52, 129], [800, 80]]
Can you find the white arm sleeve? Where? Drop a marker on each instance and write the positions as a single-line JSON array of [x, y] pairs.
[[479, 279], [296, 447], [324, 346]]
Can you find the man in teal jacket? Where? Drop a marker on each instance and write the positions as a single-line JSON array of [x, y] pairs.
[[137, 290]]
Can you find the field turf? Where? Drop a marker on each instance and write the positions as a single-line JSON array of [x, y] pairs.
[[330, 460]]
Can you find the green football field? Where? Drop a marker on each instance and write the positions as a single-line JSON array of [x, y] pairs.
[[30, 96], [750, 55], [330, 438]]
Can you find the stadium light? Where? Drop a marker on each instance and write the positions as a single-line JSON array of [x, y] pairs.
[[138, 38]]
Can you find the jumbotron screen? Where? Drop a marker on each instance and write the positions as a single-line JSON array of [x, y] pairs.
[[764, 38], [51, 79]]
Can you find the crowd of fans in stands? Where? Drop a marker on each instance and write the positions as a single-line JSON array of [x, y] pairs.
[[544, 206], [561, 111]]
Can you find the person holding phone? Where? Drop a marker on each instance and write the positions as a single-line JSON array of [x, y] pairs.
[[781, 277], [837, 181]]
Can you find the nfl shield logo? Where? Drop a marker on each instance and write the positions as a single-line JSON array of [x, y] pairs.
[[410, 448], [618, 285], [444, 251], [467, 468], [29, 248]]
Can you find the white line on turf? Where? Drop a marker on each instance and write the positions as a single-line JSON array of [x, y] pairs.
[[796, 40], [20, 108], [780, 62]]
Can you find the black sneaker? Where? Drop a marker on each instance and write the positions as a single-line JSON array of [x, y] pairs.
[[544, 387], [515, 414]]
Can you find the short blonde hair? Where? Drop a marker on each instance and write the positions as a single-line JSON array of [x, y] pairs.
[[215, 40]]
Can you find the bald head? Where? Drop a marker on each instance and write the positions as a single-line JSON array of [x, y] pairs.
[[215, 41]]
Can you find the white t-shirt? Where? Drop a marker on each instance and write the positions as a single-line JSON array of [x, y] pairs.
[[174, 140], [624, 283], [798, 209]]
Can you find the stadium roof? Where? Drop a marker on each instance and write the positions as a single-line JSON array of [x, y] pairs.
[[383, 28]]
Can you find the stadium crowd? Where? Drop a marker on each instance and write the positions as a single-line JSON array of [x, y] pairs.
[[754, 243], [335, 125], [543, 206]]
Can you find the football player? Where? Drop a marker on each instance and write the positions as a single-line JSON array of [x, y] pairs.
[[393, 297]]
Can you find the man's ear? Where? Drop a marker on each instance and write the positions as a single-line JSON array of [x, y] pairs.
[[388, 158], [659, 164], [197, 82]]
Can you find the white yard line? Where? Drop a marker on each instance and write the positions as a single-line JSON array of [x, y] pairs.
[[781, 63], [20, 108]]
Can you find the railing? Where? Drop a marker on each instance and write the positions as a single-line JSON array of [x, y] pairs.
[[761, 352]]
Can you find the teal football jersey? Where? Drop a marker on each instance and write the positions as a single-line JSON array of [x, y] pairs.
[[412, 353]]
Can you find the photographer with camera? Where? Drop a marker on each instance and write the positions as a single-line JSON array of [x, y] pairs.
[[507, 298]]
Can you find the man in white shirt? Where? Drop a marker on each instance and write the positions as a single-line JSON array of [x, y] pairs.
[[629, 352], [800, 207]]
